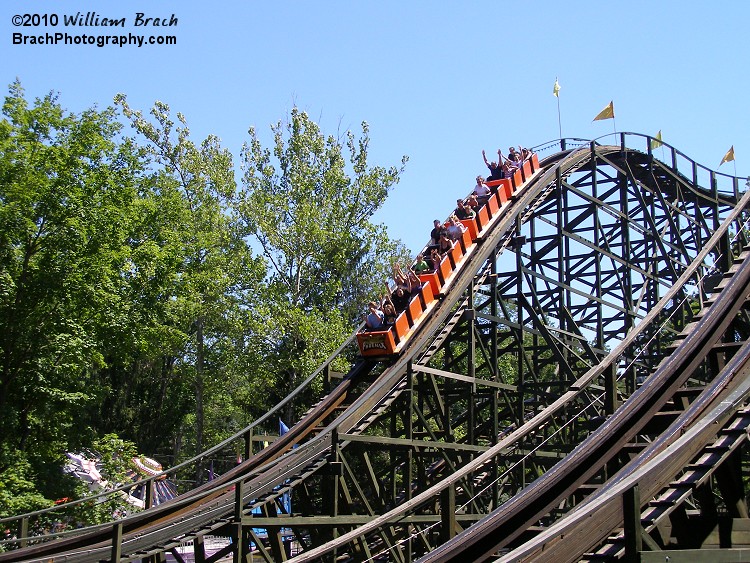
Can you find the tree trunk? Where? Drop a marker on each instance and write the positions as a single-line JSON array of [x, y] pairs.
[[199, 387]]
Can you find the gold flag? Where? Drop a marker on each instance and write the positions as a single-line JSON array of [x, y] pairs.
[[729, 156], [556, 89], [656, 141], [606, 113]]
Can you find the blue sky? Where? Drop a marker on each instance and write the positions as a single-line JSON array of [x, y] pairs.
[[438, 81]]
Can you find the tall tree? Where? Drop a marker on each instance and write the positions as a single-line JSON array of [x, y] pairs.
[[309, 201], [311, 211], [66, 186], [218, 275]]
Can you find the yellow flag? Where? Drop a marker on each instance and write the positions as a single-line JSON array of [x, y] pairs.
[[606, 113], [729, 156], [556, 89], [656, 141]]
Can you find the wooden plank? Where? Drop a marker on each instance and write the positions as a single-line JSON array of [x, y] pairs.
[[421, 444], [729, 555], [346, 520], [116, 542]]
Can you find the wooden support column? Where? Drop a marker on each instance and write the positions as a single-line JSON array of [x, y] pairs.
[[610, 389], [23, 531], [729, 480], [409, 435], [199, 550], [471, 316], [521, 365], [331, 484], [238, 500], [448, 513], [116, 542], [242, 533], [275, 541], [631, 509], [494, 402], [248, 444], [149, 500], [241, 547]]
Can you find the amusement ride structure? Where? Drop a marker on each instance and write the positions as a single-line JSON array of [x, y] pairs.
[[573, 383]]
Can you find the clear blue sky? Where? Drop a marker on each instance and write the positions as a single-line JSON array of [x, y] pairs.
[[437, 81]]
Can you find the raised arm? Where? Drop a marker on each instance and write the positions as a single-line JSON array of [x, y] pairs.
[[401, 272]]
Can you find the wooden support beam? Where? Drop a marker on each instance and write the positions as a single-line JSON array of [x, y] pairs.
[[176, 554], [731, 555], [149, 501], [116, 542], [417, 444], [448, 513], [465, 378], [260, 547], [23, 531], [346, 520], [631, 509], [199, 549]]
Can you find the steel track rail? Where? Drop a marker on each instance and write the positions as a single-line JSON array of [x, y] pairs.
[[398, 514], [178, 508], [214, 504], [7, 522], [713, 426], [508, 522], [185, 515]]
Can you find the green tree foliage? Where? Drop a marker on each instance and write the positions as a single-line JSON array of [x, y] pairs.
[[217, 277], [18, 489], [131, 303], [308, 201], [114, 461], [65, 192], [311, 212]]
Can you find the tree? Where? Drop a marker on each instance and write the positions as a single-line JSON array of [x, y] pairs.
[[309, 202], [115, 460], [18, 489], [131, 302], [217, 274], [66, 186], [310, 214]]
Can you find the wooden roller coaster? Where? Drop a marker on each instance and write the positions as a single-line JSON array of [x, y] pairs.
[[570, 385]]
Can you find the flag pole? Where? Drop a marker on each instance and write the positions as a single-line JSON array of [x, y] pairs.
[[556, 94], [662, 148]]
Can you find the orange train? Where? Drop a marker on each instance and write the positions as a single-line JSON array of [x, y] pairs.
[[391, 340]]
